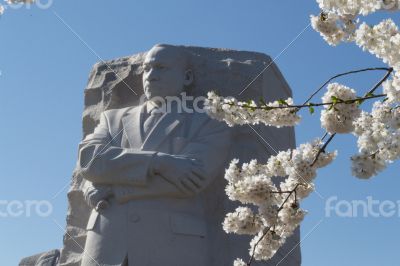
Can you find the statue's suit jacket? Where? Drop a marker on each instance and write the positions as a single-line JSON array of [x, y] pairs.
[[150, 220]]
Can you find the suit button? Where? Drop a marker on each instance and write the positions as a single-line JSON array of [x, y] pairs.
[[134, 218]]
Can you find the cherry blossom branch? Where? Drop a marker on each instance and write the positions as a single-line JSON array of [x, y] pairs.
[[371, 91], [279, 209], [389, 72], [323, 148], [345, 74], [255, 246], [298, 107], [287, 198]]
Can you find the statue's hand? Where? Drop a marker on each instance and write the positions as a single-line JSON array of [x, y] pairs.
[[182, 171], [96, 196]]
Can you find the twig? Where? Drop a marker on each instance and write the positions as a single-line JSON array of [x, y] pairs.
[[323, 148], [350, 101], [279, 209], [347, 73]]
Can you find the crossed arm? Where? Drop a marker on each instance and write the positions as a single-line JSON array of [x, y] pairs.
[[152, 173]]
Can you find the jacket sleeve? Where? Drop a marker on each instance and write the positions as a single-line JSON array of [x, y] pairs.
[[102, 163], [210, 147]]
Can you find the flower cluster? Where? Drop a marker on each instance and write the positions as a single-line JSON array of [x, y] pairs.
[[378, 139], [234, 112], [381, 40], [276, 213], [338, 117], [338, 22], [378, 132], [242, 222], [239, 262], [334, 28], [392, 90], [355, 7]]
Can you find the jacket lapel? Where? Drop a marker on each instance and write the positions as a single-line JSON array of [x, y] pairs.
[[132, 123], [167, 123]]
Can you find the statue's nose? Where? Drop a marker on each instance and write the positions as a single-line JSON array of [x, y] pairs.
[[152, 76]]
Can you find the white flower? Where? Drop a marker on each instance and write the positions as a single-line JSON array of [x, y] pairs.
[[392, 89], [395, 121], [365, 166], [239, 262], [351, 7], [276, 164], [303, 190], [328, 26], [339, 117], [269, 214], [302, 166], [381, 40], [362, 123], [382, 112], [252, 189], [378, 134], [265, 246], [290, 218], [1, 9], [234, 112], [242, 222], [232, 174], [334, 28]]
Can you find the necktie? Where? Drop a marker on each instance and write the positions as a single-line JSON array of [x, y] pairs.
[[151, 120]]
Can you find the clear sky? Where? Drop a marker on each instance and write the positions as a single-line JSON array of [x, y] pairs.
[[44, 68]]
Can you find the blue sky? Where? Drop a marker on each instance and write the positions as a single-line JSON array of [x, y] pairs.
[[44, 69]]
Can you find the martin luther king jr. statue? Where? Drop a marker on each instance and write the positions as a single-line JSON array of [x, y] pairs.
[[147, 168], [153, 173]]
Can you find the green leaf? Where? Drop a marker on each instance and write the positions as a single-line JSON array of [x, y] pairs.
[[311, 109], [334, 99], [359, 101], [282, 102]]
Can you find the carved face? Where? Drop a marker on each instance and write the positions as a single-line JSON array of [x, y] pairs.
[[165, 72]]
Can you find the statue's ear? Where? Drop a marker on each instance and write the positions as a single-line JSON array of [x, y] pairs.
[[188, 77]]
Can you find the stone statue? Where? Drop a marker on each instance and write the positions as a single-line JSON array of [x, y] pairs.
[[148, 188], [155, 168]]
